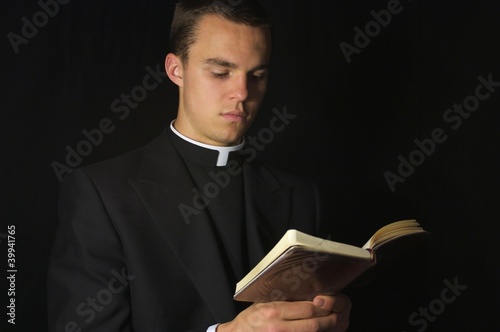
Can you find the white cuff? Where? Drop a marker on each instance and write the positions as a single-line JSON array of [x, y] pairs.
[[212, 328]]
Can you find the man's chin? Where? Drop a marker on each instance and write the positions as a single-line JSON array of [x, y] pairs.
[[231, 140]]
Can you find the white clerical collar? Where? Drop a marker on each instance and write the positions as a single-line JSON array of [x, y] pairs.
[[223, 150]]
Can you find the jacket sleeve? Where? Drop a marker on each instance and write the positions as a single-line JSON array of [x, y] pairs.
[[88, 283]]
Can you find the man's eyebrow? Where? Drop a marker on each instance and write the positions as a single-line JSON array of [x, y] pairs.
[[220, 62], [224, 63]]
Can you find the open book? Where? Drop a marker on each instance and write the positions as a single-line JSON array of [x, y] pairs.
[[301, 266]]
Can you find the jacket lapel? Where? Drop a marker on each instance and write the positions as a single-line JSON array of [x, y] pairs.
[[166, 189], [267, 210]]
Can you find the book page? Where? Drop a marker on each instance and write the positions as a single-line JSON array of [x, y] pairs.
[[306, 242], [393, 231]]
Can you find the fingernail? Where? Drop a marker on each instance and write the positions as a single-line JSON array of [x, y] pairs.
[[319, 302]]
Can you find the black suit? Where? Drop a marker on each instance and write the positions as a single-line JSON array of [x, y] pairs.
[[126, 260]]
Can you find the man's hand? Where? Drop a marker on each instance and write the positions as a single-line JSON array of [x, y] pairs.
[[324, 313]]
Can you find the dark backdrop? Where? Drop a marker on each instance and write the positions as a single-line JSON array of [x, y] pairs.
[[357, 118]]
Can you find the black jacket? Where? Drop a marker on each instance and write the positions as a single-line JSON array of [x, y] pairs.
[[125, 259]]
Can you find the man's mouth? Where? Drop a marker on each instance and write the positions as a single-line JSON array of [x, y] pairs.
[[235, 116]]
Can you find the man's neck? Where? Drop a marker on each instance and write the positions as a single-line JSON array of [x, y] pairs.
[[223, 150]]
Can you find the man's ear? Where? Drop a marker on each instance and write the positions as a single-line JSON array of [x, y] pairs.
[[174, 69]]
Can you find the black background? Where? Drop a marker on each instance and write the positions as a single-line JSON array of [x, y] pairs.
[[353, 121]]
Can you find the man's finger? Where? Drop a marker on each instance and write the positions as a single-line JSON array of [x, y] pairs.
[[291, 310], [337, 303]]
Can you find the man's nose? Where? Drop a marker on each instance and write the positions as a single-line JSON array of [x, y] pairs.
[[240, 88]]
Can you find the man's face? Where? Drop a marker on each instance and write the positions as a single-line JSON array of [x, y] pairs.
[[223, 81]]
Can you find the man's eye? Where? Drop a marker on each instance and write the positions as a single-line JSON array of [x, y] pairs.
[[259, 76], [219, 75]]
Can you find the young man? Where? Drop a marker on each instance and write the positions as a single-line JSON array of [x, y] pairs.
[[141, 248]]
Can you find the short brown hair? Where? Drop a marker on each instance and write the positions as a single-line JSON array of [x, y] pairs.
[[189, 12]]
